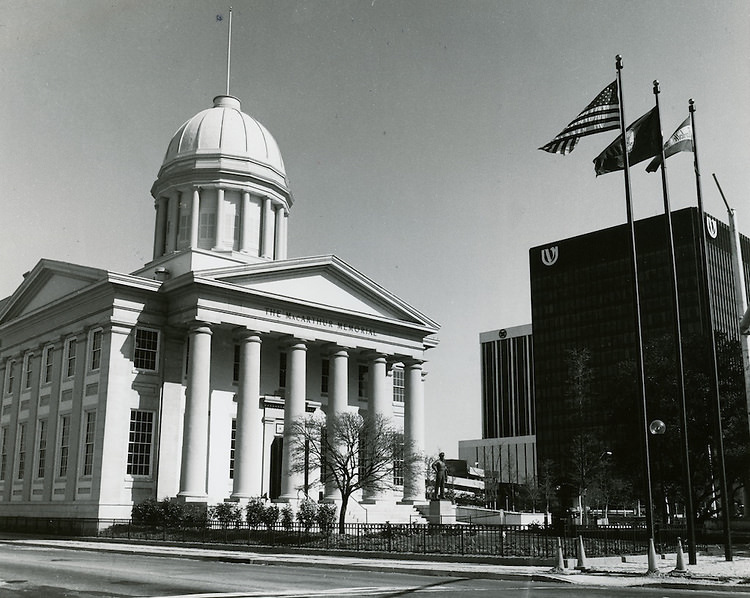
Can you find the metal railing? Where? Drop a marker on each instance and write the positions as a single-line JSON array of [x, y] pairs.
[[528, 541]]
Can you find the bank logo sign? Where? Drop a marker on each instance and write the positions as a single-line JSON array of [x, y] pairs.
[[549, 255], [712, 227]]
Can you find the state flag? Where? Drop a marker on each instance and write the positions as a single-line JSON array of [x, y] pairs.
[[642, 139], [680, 141]]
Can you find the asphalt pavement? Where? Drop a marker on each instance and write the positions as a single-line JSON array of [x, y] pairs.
[[711, 570]]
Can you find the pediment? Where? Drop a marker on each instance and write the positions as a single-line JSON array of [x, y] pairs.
[[48, 282], [325, 281]]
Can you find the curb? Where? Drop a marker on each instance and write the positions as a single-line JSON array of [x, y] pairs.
[[277, 559]]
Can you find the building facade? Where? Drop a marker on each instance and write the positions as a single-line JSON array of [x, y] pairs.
[[581, 292], [507, 450], [183, 378]]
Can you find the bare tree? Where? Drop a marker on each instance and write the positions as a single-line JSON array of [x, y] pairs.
[[352, 452]]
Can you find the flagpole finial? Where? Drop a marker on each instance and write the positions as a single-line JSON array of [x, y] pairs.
[[691, 105], [656, 86], [618, 62]]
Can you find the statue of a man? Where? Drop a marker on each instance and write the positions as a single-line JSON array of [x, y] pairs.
[[440, 467]]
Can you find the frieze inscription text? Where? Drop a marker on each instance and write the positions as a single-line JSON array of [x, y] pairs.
[[318, 321]]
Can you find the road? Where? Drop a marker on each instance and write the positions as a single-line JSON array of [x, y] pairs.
[[33, 571]]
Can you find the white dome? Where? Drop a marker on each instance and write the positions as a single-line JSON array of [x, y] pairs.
[[223, 141], [225, 129]]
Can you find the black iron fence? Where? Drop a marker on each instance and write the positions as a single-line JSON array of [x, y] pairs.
[[528, 541]]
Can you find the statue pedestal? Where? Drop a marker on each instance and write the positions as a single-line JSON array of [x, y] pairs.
[[442, 511]]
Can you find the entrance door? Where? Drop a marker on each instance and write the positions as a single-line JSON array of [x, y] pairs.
[[274, 484]]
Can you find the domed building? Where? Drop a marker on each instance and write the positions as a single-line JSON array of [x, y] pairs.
[[182, 379]]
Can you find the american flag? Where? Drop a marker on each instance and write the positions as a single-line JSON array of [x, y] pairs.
[[603, 114]]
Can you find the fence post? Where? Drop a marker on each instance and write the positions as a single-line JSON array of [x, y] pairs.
[[388, 533], [462, 540]]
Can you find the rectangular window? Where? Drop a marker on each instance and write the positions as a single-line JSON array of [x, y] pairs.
[[146, 349], [21, 450], [88, 443], [231, 448], [183, 229], [4, 453], [206, 230], [64, 448], [140, 440], [362, 371], [41, 448], [398, 464], [324, 373], [9, 367], [28, 370], [47, 364], [282, 370], [70, 358], [236, 364], [96, 350], [398, 385]]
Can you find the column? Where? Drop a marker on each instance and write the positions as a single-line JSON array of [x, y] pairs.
[[195, 217], [266, 250], [414, 475], [245, 221], [174, 205], [338, 400], [281, 229], [161, 225], [195, 427], [294, 409], [248, 450], [379, 404], [219, 241]]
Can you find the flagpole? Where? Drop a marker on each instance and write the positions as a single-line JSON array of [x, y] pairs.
[[677, 343], [229, 48], [725, 497], [636, 311]]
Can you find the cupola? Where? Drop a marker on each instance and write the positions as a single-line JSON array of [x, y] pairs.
[[222, 188]]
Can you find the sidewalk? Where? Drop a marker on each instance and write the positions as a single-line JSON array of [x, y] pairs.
[[711, 571]]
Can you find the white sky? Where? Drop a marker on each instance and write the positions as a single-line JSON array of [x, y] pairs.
[[409, 129]]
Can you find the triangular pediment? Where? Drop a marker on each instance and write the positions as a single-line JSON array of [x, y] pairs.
[[48, 282], [325, 281]]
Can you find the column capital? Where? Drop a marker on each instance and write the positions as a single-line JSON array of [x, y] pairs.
[[198, 326], [333, 350], [413, 363], [243, 334], [371, 355], [294, 343]]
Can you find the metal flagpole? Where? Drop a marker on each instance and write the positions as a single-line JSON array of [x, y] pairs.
[[719, 433], [229, 48], [677, 344], [636, 311]]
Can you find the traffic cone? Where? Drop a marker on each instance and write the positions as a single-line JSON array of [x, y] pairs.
[[680, 568], [560, 560], [652, 568], [581, 566]]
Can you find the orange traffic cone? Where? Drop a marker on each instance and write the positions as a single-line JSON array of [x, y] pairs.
[[581, 566], [680, 568], [560, 560]]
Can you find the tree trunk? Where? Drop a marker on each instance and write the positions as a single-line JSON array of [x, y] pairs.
[[342, 512]]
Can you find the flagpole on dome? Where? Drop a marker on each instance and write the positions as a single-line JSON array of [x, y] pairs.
[[640, 372], [229, 48], [680, 364], [719, 442]]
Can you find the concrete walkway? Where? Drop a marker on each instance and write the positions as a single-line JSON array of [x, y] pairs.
[[711, 571]]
